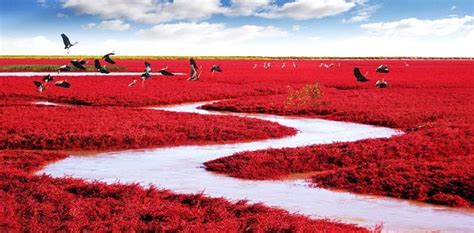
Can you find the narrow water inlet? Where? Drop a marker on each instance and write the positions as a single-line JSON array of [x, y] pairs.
[[76, 74], [180, 169]]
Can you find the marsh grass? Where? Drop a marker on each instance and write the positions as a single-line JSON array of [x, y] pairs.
[[52, 68]]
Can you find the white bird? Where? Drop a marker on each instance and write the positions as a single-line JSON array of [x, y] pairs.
[[327, 66]]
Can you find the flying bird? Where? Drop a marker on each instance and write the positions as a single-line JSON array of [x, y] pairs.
[[67, 42], [79, 64], [382, 69], [381, 84], [165, 72], [147, 67], [100, 68], [39, 85], [359, 76], [47, 78], [145, 75], [63, 83], [195, 72], [64, 68], [216, 68], [326, 65], [107, 58]]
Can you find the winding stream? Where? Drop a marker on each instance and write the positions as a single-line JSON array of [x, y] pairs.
[[180, 169]]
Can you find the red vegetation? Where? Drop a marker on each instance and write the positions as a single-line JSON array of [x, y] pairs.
[[113, 128], [431, 162], [41, 203], [432, 100]]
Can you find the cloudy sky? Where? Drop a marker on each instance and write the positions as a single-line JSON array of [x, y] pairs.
[[240, 27]]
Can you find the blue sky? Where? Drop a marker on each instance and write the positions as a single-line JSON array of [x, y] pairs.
[[240, 27]]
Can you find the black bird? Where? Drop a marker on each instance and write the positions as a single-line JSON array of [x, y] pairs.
[[145, 75], [382, 69], [381, 84], [147, 67], [216, 68], [100, 68], [39, 85], [47, 78], [193, 63], [194, 73], [166, 72], [107, 58], [79, 64], [67, 42], [359, 76], [64, 68], [63, 83]]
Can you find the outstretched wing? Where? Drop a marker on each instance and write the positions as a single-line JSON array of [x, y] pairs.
[[63, 83], [65, 40], [165, 72], [107, 58], [193, 63], [359, 76], [37, 83]]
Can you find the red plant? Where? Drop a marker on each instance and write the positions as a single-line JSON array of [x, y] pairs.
[[42, 203]]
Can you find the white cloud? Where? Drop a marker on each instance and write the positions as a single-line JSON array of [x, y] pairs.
[[296, 28], [61, 15], [111, 25], [454, 7], [146, 11], [418, 27], [307, 9], [43, 3], [159, 11], [114, 25], [206, 32], [246, 7], [364, 12], [88, 26], [37, 45], [259, 46]]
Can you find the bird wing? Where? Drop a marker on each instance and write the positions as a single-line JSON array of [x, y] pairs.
[[147, 67], [47, 78], [65, 40], [108, 54], [37, 83], [108, 59], [359, 75], [97, 64], [165, 72], [132, 83], [193, 63], [62, 83]]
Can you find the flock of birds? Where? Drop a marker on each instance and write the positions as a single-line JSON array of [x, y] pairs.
[[195, 70]]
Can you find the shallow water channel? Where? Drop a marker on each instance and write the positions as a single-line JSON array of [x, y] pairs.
[[180, 169]]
